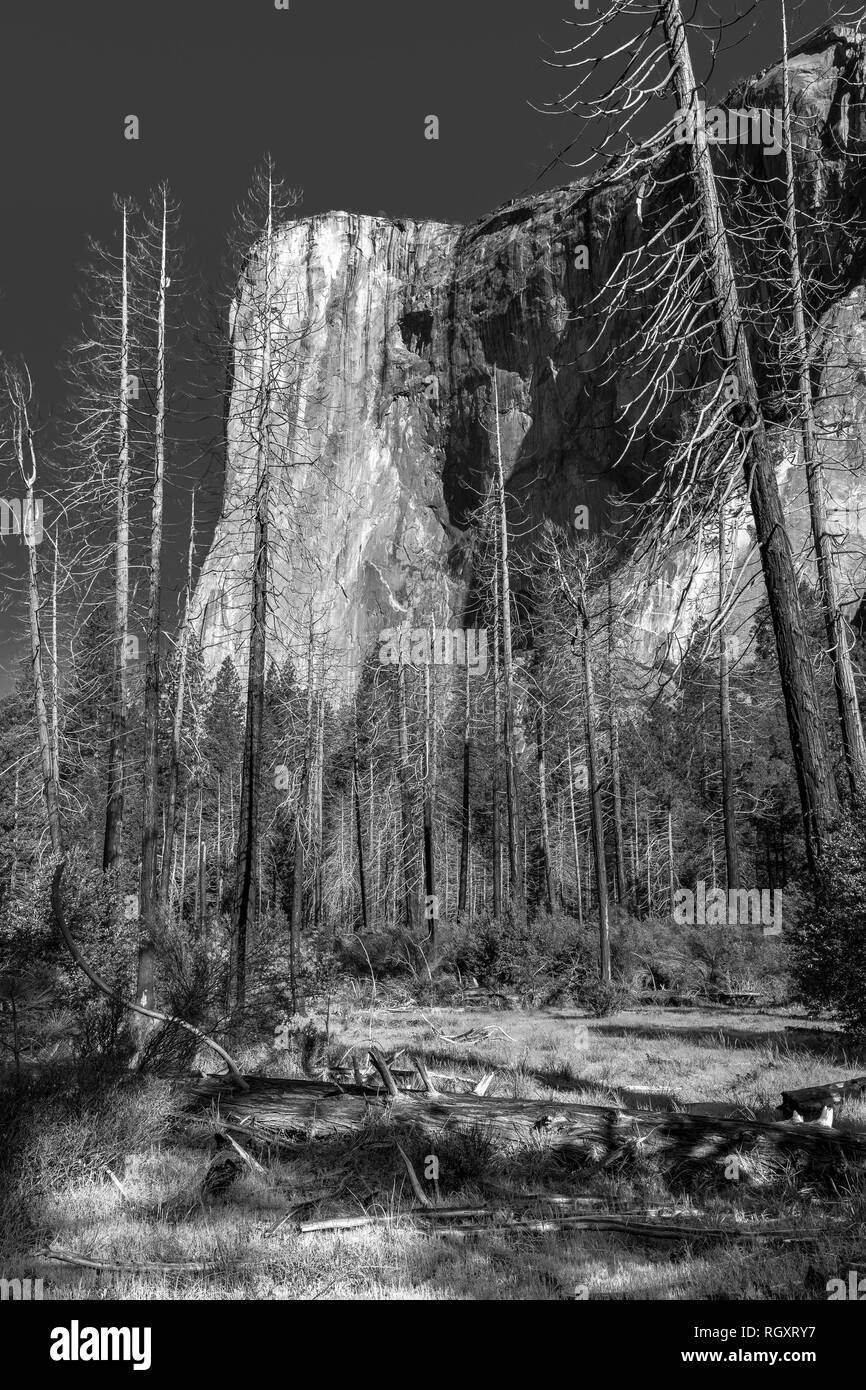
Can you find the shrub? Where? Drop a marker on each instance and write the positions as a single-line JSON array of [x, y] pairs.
[[602, 997], [29, 941], [828, 948], [550, 957]]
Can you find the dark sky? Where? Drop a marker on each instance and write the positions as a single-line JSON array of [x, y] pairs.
[[337, 90]]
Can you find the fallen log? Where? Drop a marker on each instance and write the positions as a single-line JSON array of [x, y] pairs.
[[71, 1257], [617, 1222], [811, 1101], [312, 1109], [644, 1230]]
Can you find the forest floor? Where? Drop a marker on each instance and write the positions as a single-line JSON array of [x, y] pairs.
[[723, 1059]]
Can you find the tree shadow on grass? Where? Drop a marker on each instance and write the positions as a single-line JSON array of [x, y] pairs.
[[828, 1045]]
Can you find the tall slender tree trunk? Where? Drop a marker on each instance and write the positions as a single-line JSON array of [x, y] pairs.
[[574, 837], [616, 779], [113, 844], [177, 725], [464, 820], [375, 849], [818, 793], [431, 905], [514, 857], [496, 811], [847, 704], [411, 913], [318, 869], [26, 458], [540, 740], [649, 886], [198, 843], [183, 856], [671, 869], [362, 881], [219, 846], [13, 872], [201, 892], [729, 804], [248, 830], [55, 671], [145, 986], [595, 806]]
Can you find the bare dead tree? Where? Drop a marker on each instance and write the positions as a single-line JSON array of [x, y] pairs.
[[113, 846], [850, 723], [517, 887], [177, 724], [19, 394], [260, 226], [729, 812], [691, 350], [146, 972]]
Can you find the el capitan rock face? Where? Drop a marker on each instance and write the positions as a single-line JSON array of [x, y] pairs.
[[397, 327]]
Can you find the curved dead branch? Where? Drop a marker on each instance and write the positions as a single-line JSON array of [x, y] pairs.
[[57, 903]]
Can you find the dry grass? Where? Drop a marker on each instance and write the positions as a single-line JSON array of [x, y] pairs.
[[668, 1060]]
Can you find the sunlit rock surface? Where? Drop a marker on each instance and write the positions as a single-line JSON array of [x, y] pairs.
[[394, 329]]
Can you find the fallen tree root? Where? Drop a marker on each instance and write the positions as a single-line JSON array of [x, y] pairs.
[[57, 902], [310, 1108]]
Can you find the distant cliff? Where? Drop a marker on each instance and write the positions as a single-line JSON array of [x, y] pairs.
[[401, 324]]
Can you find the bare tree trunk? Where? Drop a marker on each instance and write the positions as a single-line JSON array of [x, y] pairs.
[[410, 897], [317, 799], [574, 837], [464, 822], [729, 811], [496, 812], [196, 904], [201, 892], [362, 882], [55, 671], [219, 846], [248, 830], [671, 874], [514, 858], [113, 845], [595, 807], [853, 743], [649, 888], [146, 981], [614, 756], [375, 850], [183, 857], [431, 905], [26, 458], [13, 872], [177, 726], [540, 736], [818, 793]]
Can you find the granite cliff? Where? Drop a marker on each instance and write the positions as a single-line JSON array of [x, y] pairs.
[[400, 325]]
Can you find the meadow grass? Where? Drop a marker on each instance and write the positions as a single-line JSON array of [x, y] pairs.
[[61, 1192]]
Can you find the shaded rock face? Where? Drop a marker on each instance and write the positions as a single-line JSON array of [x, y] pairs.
[[394, 329]]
